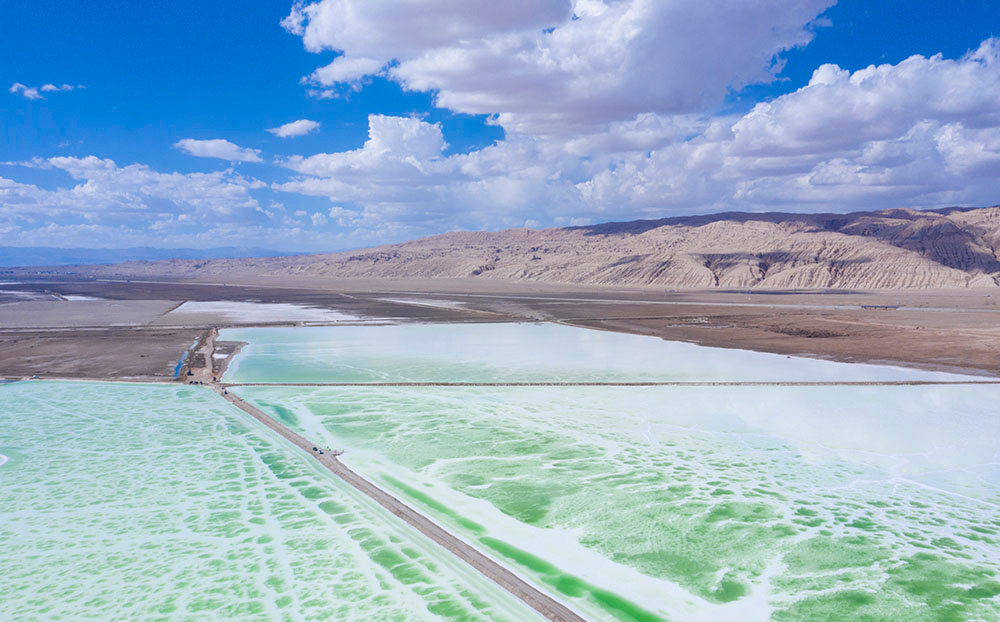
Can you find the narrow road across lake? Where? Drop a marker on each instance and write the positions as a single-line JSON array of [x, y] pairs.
[[652, 383], [530, 595]]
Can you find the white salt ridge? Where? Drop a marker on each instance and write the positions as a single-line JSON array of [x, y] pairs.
[[253, 312], [427, 302], [27, 296], [562, 548], [77, 298]]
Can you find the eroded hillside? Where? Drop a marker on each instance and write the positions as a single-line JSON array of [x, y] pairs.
[[897, 248]]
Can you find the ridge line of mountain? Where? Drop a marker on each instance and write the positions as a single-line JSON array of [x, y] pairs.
[[893, 248]]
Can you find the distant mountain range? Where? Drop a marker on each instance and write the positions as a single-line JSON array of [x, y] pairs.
[[896, 248], [49, 256]]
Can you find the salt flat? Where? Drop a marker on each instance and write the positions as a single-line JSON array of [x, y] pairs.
[[428, 302], [142, 502], [234, 312], [62, 314]]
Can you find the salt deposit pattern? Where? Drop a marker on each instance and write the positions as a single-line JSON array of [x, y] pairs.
[[163, 502], [697, 504]]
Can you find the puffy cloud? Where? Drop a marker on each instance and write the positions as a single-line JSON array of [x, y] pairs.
[[387, 29], [397, 176], [400, 178], [840, 110], [608, 117], [604, 104], [294, 128], [344, 69], [52, 88], [218, 148], [26, 91], [112, 206], [923, 133], [397, 147], [558, 67], [132, 200]]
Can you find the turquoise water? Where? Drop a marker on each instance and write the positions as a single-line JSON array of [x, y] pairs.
[[513, 353], [180, 363], [163, 502]]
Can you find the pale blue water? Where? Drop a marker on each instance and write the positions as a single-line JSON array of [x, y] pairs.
[[514, 353]]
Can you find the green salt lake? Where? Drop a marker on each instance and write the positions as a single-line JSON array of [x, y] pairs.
[[795, 503], [697, 503], [665, 503]]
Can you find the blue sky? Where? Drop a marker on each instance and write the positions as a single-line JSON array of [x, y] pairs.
[[446, 115]]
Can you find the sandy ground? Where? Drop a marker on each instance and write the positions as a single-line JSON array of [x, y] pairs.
[[953, 330], [81, 313], [114, 353]]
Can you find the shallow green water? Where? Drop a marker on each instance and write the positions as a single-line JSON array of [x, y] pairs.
[[512, 353], [737, 503], [157, 502]]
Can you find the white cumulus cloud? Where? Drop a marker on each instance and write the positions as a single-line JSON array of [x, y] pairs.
[[558, 67], [218, 148], [345, 69], [294, 128], [924, 133], [129, 198], [921, 133]]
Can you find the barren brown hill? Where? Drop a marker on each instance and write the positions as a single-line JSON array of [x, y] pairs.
[[898, 248]]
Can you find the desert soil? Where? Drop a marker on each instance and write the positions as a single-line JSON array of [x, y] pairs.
[[955, 330]]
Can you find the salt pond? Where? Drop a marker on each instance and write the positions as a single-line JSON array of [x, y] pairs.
[[143, 502], [254, 312], [514, 352], [679, 503]]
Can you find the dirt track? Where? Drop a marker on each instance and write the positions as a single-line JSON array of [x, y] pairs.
[[651, 383]]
